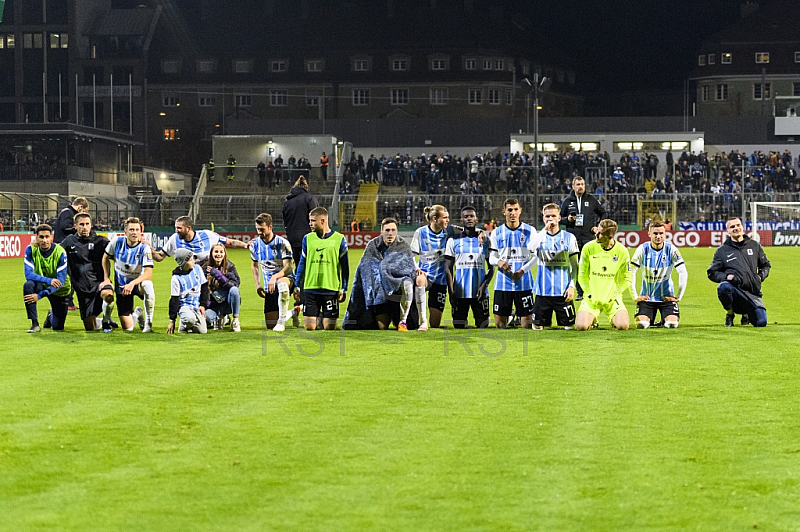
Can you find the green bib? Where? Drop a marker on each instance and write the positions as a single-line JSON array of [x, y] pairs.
[[323, 270], [47, 267]]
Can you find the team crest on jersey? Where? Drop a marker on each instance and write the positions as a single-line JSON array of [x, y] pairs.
[[521, 239], [750, 252], [91, 245], [614, 258]]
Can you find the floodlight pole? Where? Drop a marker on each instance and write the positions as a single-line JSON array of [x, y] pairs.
[[536, 143]]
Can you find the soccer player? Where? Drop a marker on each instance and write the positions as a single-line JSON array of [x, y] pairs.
[[509, 251], [272, 262], [554, 286], [188, 295], [323, 272], [133, 270], [604, 273], [198, 242], [468, 288], [657, 259], [740, 266], [46, 276], [85, 251], [428, 245]]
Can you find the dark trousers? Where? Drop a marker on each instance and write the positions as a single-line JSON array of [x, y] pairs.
[[57, 303], [734, 298]]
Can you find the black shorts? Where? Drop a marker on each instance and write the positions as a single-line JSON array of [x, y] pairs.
[[125, 303], [504, 300], [325, 304], [90, 303], [437, 297], [543, 309], [649, 309], [480, 311], [272, 302]]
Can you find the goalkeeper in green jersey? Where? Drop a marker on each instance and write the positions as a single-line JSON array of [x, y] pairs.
[[604, 273]]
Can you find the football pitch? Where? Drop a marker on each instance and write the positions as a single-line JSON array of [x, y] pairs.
[[696, 428]]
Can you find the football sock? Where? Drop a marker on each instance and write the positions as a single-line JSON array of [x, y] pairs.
[[149, 301], [283, 302], [407, 296], [671, 324], [421, 299]]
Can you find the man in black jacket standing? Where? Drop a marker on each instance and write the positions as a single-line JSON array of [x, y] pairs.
[[580, 213], [740, 266], [298, 204]]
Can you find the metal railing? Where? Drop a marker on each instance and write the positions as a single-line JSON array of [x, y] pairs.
[[21, 212]]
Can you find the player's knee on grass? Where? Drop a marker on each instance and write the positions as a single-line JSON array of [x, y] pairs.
[[642, 322], [621, 321], [583, 321], [671, 322]]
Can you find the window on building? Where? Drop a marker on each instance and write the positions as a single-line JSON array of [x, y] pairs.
[[761, 91], [171, 134], [509, 97], [360, 97], [313, 97], [722, 92], [704, 93], [243, 99], [242, 66], [399, 96], [494, 96], [314, 65], [278, 98], [475, 96], [206, 99], [470, 63], [439, 64], [796, 88], [726, 58], [6, 41], [762, 57], [712, 59], [277, 66], [59, 40], [399, 64], [170, 66], [499, 64], [438, 96], [526, 69], [170, 99], [487, 64], [701, 60], [206, 66], [361, 65], [32, 40]]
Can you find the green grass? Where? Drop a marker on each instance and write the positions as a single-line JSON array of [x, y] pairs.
[[695, 428]]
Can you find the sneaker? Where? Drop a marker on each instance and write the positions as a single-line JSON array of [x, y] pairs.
[[113, 324], [728, 320], [296, 316], [402, 327], [235, 325], [107, 327], [279, 327], [72, 307], [34, 329], [745, 319], [138, 315], [219, 323], [423, 327], [148, 327], [47, 322]]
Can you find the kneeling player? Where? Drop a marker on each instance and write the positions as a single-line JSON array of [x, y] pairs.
[[657, 259], [133, 270], [468, 288], [554, 286], [272, 263], [604, 274]]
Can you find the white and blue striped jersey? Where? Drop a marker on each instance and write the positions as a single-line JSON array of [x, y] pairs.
[[469, 256], [187, 287], [129, 262], [429, 246], [656, 267], [554, 273], [200, 245], [511, 245], [270, 255]]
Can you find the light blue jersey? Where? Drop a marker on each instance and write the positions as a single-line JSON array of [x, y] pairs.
[[511, 245], [129, 262], [656, 267], [187, 287], [554, 273], [200, 245], [430, 248], [469, 256], [270, 255]]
